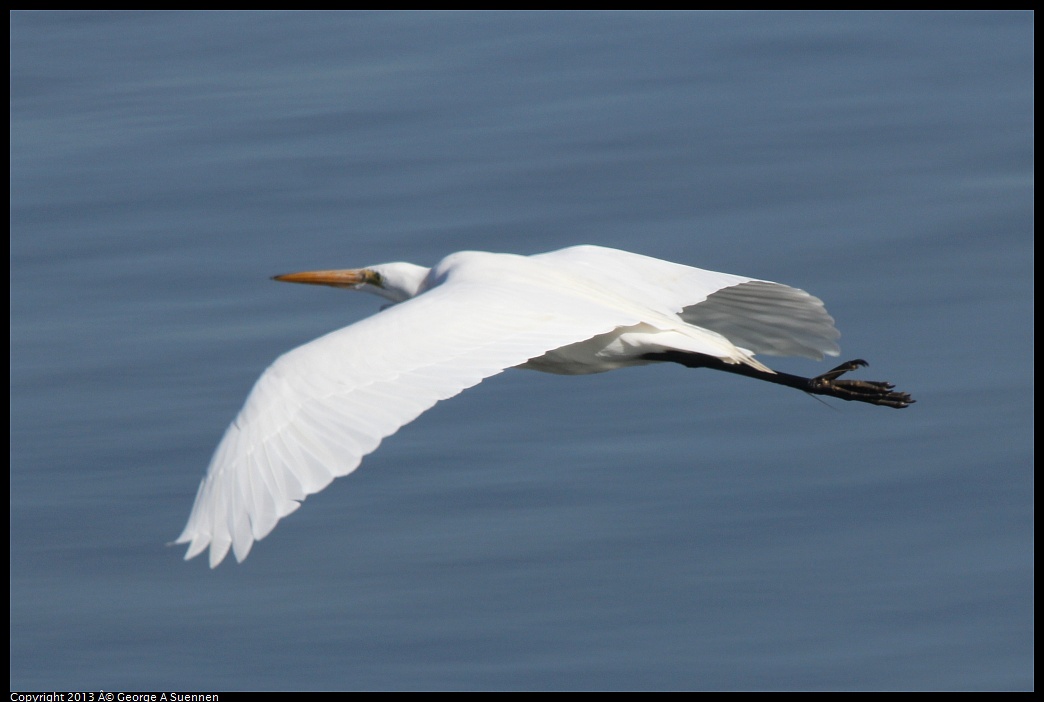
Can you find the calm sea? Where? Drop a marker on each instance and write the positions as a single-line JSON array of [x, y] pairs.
[[655, 528]]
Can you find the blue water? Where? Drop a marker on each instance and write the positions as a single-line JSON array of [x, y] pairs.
[[655, 528]]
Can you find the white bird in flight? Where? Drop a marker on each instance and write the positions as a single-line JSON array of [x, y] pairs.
[[320, 408]]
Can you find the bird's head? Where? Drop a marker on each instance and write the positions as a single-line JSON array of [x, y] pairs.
[[393, 281]]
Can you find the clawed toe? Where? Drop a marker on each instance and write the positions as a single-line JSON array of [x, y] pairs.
[[872, 391], [842, 369]]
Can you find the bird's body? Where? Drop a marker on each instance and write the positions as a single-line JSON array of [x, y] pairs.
[[321, 407]]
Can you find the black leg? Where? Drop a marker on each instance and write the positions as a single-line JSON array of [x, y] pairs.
[[873, 392]]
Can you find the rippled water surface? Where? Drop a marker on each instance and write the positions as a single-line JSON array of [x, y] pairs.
[[655, 528]]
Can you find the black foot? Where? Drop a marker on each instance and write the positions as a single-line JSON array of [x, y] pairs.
[[874, 392]]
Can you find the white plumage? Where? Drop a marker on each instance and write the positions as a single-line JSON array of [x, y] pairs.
[[321, 407]]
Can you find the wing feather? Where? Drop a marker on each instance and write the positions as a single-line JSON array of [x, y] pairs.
[[321, 407], [768, 318], [758, 315]]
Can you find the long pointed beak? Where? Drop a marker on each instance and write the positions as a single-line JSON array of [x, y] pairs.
[[348, 278]]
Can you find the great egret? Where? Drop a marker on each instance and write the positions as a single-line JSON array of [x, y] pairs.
[[320, 408]]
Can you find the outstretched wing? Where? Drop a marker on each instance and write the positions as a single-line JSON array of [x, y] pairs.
[[757, 315], [768, 318], [320, 408]]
